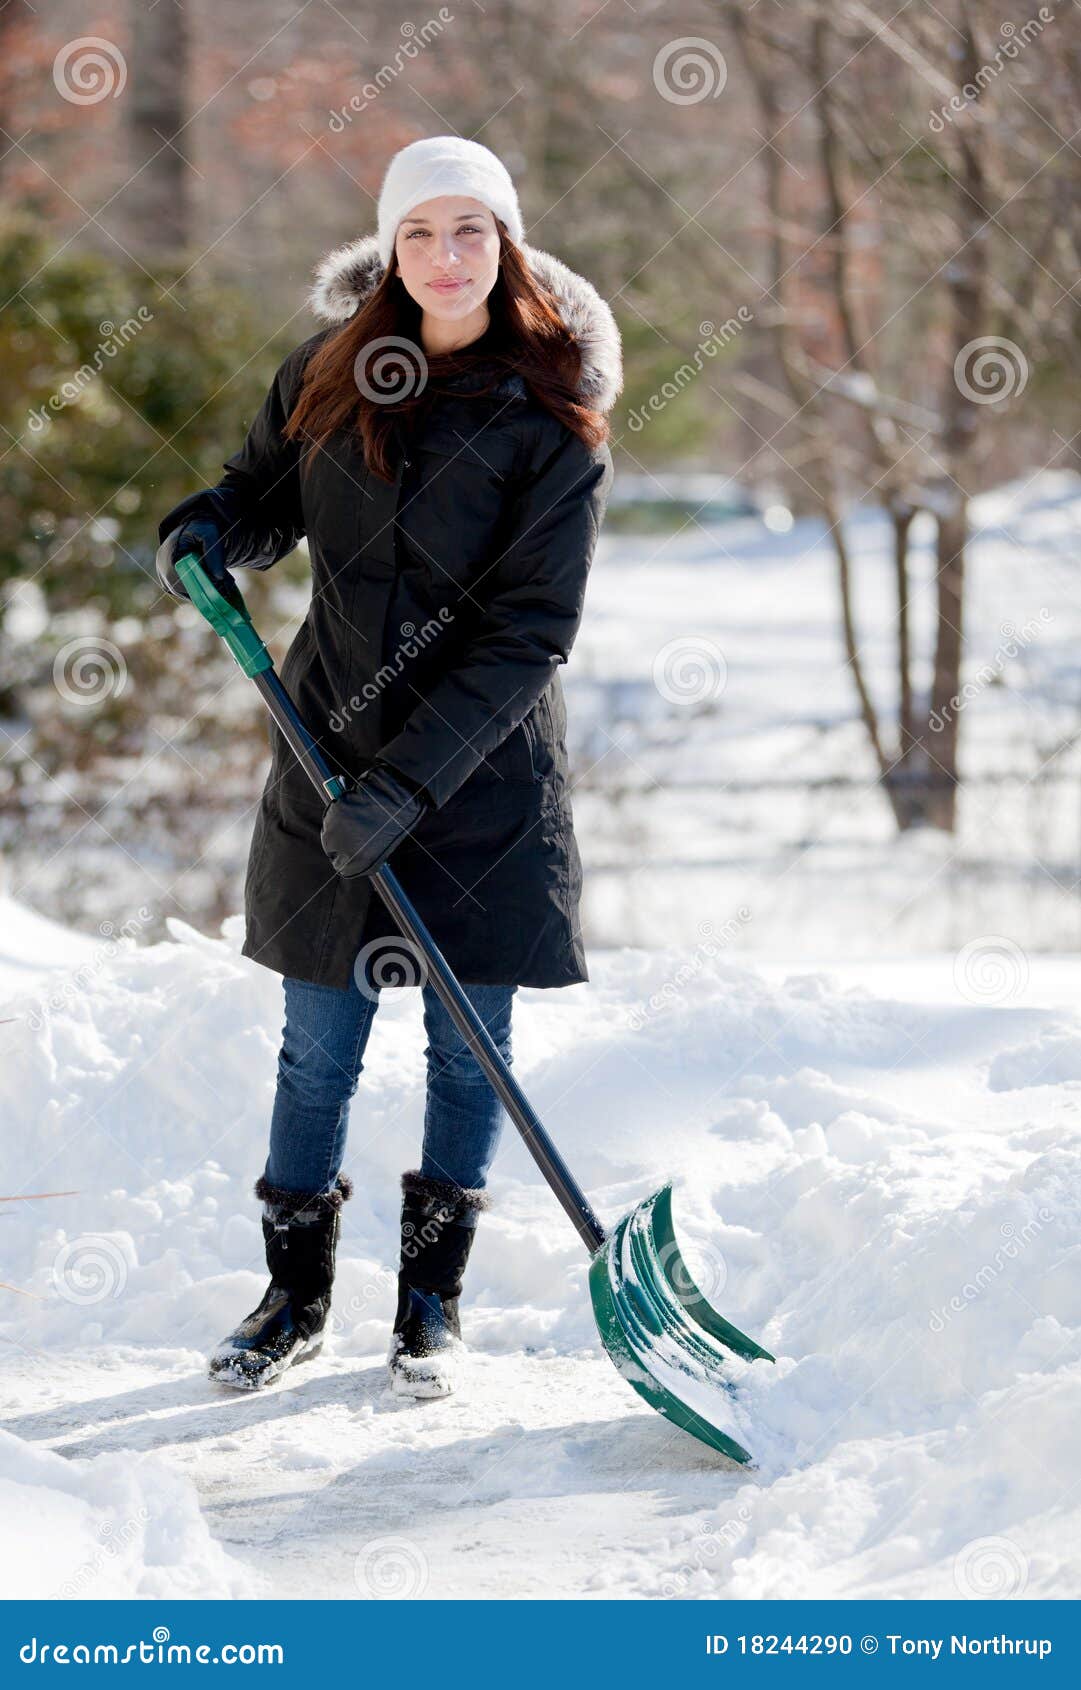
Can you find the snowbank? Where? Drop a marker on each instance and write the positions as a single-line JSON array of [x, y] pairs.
[[110, 1527], [33, 947], [884, 1191]]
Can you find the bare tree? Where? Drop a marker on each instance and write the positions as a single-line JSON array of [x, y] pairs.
[[901, 418]]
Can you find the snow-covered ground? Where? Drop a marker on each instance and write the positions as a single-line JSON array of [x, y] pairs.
[[720, 758], [883, 1187], [860, 1059]]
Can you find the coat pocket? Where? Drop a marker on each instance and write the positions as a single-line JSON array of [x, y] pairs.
[[516, 760]]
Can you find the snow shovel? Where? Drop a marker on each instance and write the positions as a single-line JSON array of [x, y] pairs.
[[663, 1336]]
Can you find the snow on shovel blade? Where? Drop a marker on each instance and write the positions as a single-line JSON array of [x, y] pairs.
[[663, 1336]]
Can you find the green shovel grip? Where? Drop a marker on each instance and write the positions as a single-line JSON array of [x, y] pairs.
[[227, 614]]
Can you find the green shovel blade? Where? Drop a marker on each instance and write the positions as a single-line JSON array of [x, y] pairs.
[[663, 1336]]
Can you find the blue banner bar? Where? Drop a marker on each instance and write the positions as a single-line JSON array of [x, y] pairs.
[[616, 1645]]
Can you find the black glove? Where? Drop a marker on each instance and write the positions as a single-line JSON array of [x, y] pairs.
[[361, 829], [201, 535]]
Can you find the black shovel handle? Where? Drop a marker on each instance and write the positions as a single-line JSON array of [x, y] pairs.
[[229, 617]]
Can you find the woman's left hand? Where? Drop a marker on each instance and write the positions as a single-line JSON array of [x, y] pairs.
[[361, 829]]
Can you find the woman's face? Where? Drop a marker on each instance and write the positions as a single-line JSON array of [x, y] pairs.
[[447, 252]]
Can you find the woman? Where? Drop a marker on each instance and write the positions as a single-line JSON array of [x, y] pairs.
[[442, 445]]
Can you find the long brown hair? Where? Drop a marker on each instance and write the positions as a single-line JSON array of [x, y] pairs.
[[368, 376]]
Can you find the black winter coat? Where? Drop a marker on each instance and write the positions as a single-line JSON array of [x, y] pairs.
[[442, 607]]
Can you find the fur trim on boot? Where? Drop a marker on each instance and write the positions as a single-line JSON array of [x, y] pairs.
[[443, 1192], [292, 1204]]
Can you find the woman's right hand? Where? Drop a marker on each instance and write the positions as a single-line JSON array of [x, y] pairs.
[[201, 535]]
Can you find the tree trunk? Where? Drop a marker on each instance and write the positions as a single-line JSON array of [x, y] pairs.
[[15, 19], [156, 202], [906, 726], [868, 714], [941, 740], [967, 281]]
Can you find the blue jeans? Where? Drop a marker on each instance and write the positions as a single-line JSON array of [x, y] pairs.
[[320, 1062]]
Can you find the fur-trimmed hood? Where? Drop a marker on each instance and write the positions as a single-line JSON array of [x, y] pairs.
[[349, 274]]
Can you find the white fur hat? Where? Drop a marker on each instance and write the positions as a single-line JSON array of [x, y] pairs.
[[444, 164]]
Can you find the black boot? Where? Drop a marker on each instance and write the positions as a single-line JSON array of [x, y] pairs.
[[300, 1232], [437, 1235]]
